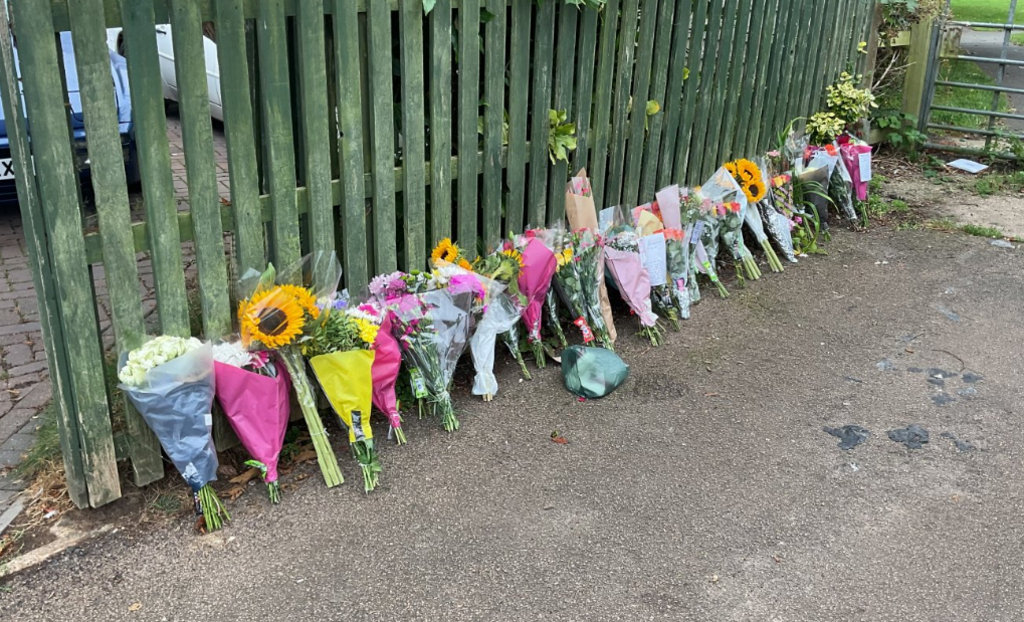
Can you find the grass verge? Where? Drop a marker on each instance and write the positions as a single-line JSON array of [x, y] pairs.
[[970, 73]]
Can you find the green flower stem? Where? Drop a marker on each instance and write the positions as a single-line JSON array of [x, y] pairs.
[[773, 259], [214, 512], [552, 307], [366, 455], [512, 342], [399, 435], [274, 492], [304, 392], [538, 353]]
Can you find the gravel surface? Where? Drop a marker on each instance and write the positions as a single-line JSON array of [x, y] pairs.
[[703, 489]]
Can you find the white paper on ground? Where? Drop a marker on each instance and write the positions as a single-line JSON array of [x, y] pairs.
[[653, 257], [969, 166]]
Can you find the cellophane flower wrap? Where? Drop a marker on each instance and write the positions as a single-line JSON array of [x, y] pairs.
[[505, 266], [622, 258], [777, 208], [254, 392], [677, 247], [647, 222], [731, 200], [580, 270], [839, 186], [279, 312], [857, 157], [538, 267], [700, 216], [387, 363], [340, 351], [752, 216], [171, 382], [433, 327]]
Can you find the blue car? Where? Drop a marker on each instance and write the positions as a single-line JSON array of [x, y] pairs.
[[119, 70]]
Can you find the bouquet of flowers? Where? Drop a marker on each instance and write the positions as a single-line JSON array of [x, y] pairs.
[[653, 245], [581, 212], [677, 246], [340, 352], [170, 380], [839, 186], [813, 179], [700, 216], [505, 267], [499, 274], [538, 266], [433, 326], [725, 187], [622, 254], [278, 315], [253, 390], [387, 363], [857, 157], [580, 266]]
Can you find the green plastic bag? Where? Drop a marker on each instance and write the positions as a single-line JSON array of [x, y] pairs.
[[592, 372]]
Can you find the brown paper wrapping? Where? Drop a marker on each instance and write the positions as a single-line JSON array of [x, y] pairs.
[[582, 214]]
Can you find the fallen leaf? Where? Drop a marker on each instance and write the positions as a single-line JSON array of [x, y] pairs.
[[244, 477], [908, 350], [224, 201], [561, 440], [233, 493], [778, 560], [134, 606], [711, 395]]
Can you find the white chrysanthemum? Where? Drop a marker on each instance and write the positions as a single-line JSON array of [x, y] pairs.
[[232, 354]]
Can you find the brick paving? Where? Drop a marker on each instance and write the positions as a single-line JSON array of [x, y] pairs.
[[24, 378]]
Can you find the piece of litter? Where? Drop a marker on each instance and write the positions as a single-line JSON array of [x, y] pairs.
[[967, 166], [913, 436], [960, 444], [881, 263], [849, 435], [49, 514], [134, 606], [1001, 244], [885, 365], [950, 315], [968, 392], [854, 467]]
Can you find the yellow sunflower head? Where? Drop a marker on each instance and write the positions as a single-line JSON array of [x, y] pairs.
[[444, 251], [305, 299], [754, 191], [748, 171], [465, 265], [731, 167], [273, 318], [514, 254]]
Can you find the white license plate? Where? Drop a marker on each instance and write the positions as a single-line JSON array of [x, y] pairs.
[[6, 169]]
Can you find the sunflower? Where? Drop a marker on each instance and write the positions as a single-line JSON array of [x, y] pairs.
[[754, 191], [272, 318], [305, 299], [514, 254], [731, 167], [445, 251], [748, 171], [465, 265]]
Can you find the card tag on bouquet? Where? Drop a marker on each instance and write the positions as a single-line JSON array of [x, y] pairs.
[[864, 161], [419, 386], [588, 335], [698, 229], [605, 218], [208, 418]]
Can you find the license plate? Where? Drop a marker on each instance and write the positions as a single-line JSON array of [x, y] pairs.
[[6, 169]]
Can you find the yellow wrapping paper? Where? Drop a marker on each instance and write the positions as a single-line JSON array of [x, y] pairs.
[[648, 224], [348, 384]]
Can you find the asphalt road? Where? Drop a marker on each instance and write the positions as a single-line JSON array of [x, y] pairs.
[[704, 489]]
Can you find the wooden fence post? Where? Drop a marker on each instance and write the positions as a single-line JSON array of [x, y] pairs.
[[917, 73]]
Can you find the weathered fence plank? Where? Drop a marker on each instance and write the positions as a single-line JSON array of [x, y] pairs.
[[543, 58], [518, 113], [382, 137], [562, 100], [665, 44], [694, 172], [469, 113], [602, 102], [638, 114], [414, 178], [494, 121], [585, 70], [620, 107]]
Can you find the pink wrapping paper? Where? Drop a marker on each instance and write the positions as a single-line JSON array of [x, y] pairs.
[[258, 408], [633, 281], [851, 157], [539, 265], [386, 366]]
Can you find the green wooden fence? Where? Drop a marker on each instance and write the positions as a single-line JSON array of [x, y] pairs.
[[367, 128]]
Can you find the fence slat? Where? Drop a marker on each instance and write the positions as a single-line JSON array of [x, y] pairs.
[[440, 121], [665, 44], [772, 124], [494, 120], [279, 169], [112, 210], [469, 114], [201, 171], [58, 179], [350, 145], [602, 103], [712, 48], [313, 120], [239, 135], [155, 165], [565, 55], [620, 109], [42, 269], [736, 105], [818, 76], [761, 86], [803, 63], [414, 181], [789, 53], [638, 116], [382, 125], [720, 110], [674, 154], [543, 57], [518, 111], [584, 107], [738, 128]]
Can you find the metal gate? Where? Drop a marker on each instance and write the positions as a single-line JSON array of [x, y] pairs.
[[1007, 54]]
